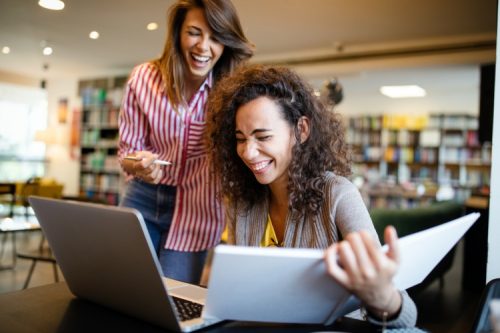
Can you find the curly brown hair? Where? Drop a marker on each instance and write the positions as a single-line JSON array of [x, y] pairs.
[[324, 150]]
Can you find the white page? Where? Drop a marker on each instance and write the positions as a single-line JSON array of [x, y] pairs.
[[271, 285], [292, 285], [422, 251]]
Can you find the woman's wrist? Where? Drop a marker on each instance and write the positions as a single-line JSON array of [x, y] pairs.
[[390, 308]]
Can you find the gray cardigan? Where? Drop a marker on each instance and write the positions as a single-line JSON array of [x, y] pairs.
[[343, 211]]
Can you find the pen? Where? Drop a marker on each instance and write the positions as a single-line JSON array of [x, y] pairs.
[[160, 162]]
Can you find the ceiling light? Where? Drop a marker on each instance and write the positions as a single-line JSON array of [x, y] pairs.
[[47, 50], [402, 91], [94, 35], [5, 50], [152, 26], [51, 4]]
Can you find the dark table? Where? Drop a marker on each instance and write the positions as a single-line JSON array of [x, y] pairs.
[[52, 308], [12, 226]]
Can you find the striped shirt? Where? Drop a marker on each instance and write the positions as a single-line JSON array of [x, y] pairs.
[[149, 122]]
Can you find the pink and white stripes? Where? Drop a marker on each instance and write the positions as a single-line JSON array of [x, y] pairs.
[[148, 122]]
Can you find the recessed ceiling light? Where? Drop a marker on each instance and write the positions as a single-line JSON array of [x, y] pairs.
[[51, 4], [5, 50], [47, 50], [94, 35], [403, 91], [152, 26]]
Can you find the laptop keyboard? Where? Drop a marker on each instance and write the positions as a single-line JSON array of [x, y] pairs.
[[186, 309]]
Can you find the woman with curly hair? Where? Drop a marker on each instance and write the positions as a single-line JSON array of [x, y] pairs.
[[281, 158]]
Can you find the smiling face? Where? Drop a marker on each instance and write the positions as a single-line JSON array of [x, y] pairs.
[[264, 141], [198, 46]]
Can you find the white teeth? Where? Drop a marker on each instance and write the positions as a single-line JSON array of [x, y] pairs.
[[260, 166], [200, 58]]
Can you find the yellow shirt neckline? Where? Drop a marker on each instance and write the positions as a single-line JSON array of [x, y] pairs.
[[269, 238]]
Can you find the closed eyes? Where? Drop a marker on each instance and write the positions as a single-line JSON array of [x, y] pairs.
[[259, 138]]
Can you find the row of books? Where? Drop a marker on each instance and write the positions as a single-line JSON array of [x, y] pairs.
[[411, 155], [94, 137], [423, 155], [363, 138], [425, 138], [99, 161], [467, 139], [415, 121], [100, 96], [428, 138], [366, 122], [390, 121], [461, 155], [401, 138], [101, 116], [100, 182], [394, 154], [466, 122]]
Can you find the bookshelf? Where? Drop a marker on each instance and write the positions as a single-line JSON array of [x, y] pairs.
[[405, 159], [100, 174]]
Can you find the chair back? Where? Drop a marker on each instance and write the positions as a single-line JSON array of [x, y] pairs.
[[8, 196], [409, 221], [37, 186], [482, 321]]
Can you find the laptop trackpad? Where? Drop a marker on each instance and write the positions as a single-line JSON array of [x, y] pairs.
[[185, 290]]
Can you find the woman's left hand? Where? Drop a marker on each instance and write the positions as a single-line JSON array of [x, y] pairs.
[[144, 168], [359, 264]]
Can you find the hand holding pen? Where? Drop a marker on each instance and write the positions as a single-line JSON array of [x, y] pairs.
[[145, 166], [156, 161]]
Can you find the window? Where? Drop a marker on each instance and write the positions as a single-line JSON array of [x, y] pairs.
[[23, 111]]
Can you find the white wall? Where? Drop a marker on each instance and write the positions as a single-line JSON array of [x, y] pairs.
[[450, 89], [493, 266], [62, 166], [18, 79]]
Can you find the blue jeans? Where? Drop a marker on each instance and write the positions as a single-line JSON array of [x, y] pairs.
[[156, 204]]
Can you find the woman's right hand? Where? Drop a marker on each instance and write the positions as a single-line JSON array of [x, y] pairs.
[[144, 168], [359, 264]]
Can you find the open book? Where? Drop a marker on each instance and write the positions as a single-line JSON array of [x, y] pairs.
[[292, 285]]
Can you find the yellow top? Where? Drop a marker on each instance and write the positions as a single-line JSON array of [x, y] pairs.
[[223, 237], [269, 238]]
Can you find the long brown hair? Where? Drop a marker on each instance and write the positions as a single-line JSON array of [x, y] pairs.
[[225, 25], [324, 150]]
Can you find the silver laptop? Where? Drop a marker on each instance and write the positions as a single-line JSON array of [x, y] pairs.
[[106, 257]]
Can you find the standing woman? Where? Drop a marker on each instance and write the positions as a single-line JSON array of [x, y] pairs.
[[163, 118]]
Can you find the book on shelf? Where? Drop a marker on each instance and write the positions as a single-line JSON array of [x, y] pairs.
[[430, 138]]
